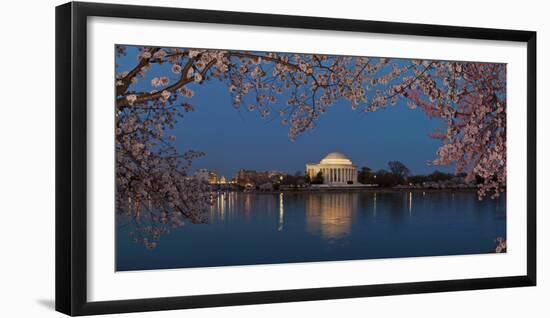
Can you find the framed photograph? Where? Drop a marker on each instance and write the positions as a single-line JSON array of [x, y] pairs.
[[209, 158]]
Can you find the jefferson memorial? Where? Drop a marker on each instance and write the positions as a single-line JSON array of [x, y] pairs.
[[336, 168]]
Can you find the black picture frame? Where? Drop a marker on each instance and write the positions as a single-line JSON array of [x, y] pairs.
[[71, 157]]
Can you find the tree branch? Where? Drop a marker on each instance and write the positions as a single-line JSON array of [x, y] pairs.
[[142, 98], [127, 80]]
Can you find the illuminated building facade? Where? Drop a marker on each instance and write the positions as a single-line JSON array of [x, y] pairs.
[[336, 169]]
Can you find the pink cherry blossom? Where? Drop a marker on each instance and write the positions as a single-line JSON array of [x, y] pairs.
[[176, 68]]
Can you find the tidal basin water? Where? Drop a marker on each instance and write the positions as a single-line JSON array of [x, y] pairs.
[[256, 228]]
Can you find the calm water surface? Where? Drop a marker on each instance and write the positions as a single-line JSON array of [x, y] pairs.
[[254, 228]]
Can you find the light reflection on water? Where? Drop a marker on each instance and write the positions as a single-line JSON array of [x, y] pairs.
[[281, 212], [330, 214], [263, 228]]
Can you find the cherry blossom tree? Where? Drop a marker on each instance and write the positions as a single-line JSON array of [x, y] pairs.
[[471, 99], [153, 187]]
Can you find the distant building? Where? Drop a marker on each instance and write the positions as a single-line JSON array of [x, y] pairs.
[[206, 176], [275, 174], [250, 178], [212, 177], [336, 169]]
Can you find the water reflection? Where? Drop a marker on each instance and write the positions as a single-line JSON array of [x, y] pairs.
[[268, 228], [281, 212], [330, 214], [374, 205], [231, 206], [410, 203]]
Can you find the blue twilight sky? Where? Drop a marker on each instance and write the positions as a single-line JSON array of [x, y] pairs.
[[236, 139]]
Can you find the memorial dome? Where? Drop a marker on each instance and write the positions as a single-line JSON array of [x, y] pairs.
[[336, 158]]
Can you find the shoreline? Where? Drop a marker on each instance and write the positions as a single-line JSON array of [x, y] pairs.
[[371, 190]]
